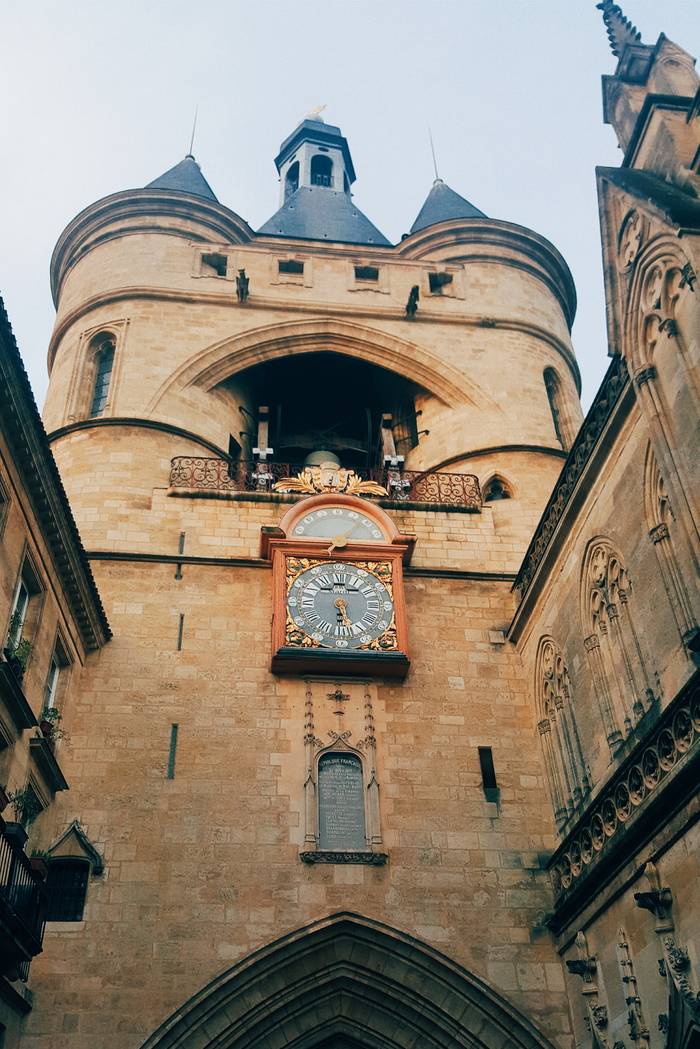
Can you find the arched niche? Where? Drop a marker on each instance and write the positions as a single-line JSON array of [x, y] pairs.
[[347, 977]]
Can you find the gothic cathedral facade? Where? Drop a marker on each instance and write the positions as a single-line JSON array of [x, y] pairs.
[[349, 688]]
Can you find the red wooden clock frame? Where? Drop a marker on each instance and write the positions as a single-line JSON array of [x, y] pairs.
[[395, 548]]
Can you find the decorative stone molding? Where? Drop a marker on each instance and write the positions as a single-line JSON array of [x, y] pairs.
[[372, 859], [688, 277], [611, 390], [672, 744], [674, 963], [658, 533], [567, 773], [639, 1031], [585, 966]]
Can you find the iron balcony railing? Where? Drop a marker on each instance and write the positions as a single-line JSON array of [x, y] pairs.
[[22, 908], [200, 474]]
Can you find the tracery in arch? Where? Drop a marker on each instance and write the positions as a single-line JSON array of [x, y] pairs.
[[496, 488], [663, 279], [612, 643], [661, 525], [567, 773]]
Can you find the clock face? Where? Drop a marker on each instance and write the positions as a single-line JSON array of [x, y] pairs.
[[335, 522], [340, 605]]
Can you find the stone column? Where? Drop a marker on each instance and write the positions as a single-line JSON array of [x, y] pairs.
[[675, 586], [544, 728], [678, 487], [600, 684]]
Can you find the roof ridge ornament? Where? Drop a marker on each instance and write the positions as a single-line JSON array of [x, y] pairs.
[[621, 32], [315, 114]]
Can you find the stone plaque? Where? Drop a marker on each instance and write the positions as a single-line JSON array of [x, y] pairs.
[[341, 802]]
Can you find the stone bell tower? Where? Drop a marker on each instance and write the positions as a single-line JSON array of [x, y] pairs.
[[305, 464]]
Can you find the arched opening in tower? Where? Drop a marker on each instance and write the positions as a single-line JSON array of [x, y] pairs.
[[327, 402], [291, 181], [321, 171]]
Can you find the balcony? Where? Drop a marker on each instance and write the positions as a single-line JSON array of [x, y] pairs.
[[22, 908], [403, 488]]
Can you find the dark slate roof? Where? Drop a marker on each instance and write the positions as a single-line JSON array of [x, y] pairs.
[[318, 213], [186, 177], [442, 204], [26, 438]]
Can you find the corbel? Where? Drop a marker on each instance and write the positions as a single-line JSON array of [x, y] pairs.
[[674, 963], [586, 967]]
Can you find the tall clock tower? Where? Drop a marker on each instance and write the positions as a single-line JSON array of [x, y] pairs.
[[306, 464]]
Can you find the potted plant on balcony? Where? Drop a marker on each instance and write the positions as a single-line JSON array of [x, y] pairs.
[[50, 725], [26, 807], [17, 648]]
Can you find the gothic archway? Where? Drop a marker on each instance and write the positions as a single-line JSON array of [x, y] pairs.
[[214, 364], [348, 980]]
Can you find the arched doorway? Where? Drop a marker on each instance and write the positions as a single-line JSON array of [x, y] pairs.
[[346, 982]]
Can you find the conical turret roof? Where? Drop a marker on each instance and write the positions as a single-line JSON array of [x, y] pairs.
[[185, 177], [443, 204]]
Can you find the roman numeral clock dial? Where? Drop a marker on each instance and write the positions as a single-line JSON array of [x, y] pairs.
[[337, 576], [341, 605]]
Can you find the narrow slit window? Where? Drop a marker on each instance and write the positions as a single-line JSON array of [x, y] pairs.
[[290, 266], [366, 273], [488, 773], [553, 388], [103, 378]]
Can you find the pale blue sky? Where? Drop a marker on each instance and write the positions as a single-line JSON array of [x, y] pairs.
[[98, 96]]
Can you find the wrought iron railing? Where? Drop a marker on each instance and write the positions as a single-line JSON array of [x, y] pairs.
[[22, 899], [202, 474]]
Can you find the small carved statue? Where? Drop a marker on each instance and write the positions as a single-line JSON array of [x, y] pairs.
[[412, 304], [242, 284]]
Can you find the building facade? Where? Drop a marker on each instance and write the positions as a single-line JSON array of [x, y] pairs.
[[395, 739]]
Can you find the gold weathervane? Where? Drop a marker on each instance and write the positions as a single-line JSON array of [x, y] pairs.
[[315, 112]]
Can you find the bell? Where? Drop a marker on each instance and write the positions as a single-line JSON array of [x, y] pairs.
[[321, 458]]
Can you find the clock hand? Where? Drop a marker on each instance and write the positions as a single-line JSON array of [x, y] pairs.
[[339, 541], [341, 605]]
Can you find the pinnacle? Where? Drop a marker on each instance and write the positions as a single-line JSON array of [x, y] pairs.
[[621, 31]]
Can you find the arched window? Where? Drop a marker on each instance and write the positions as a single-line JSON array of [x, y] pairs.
[[341, 803], [103, 346], [291, 181], [67, 884], [567, 772], [618, 667], [661, 526], [556, 406], [321, 170], [496, 489]]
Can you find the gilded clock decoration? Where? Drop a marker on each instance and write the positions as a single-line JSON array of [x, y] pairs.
[[328, 478], [340, 605]]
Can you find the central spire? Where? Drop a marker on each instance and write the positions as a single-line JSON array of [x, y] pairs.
[[316, 173]]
